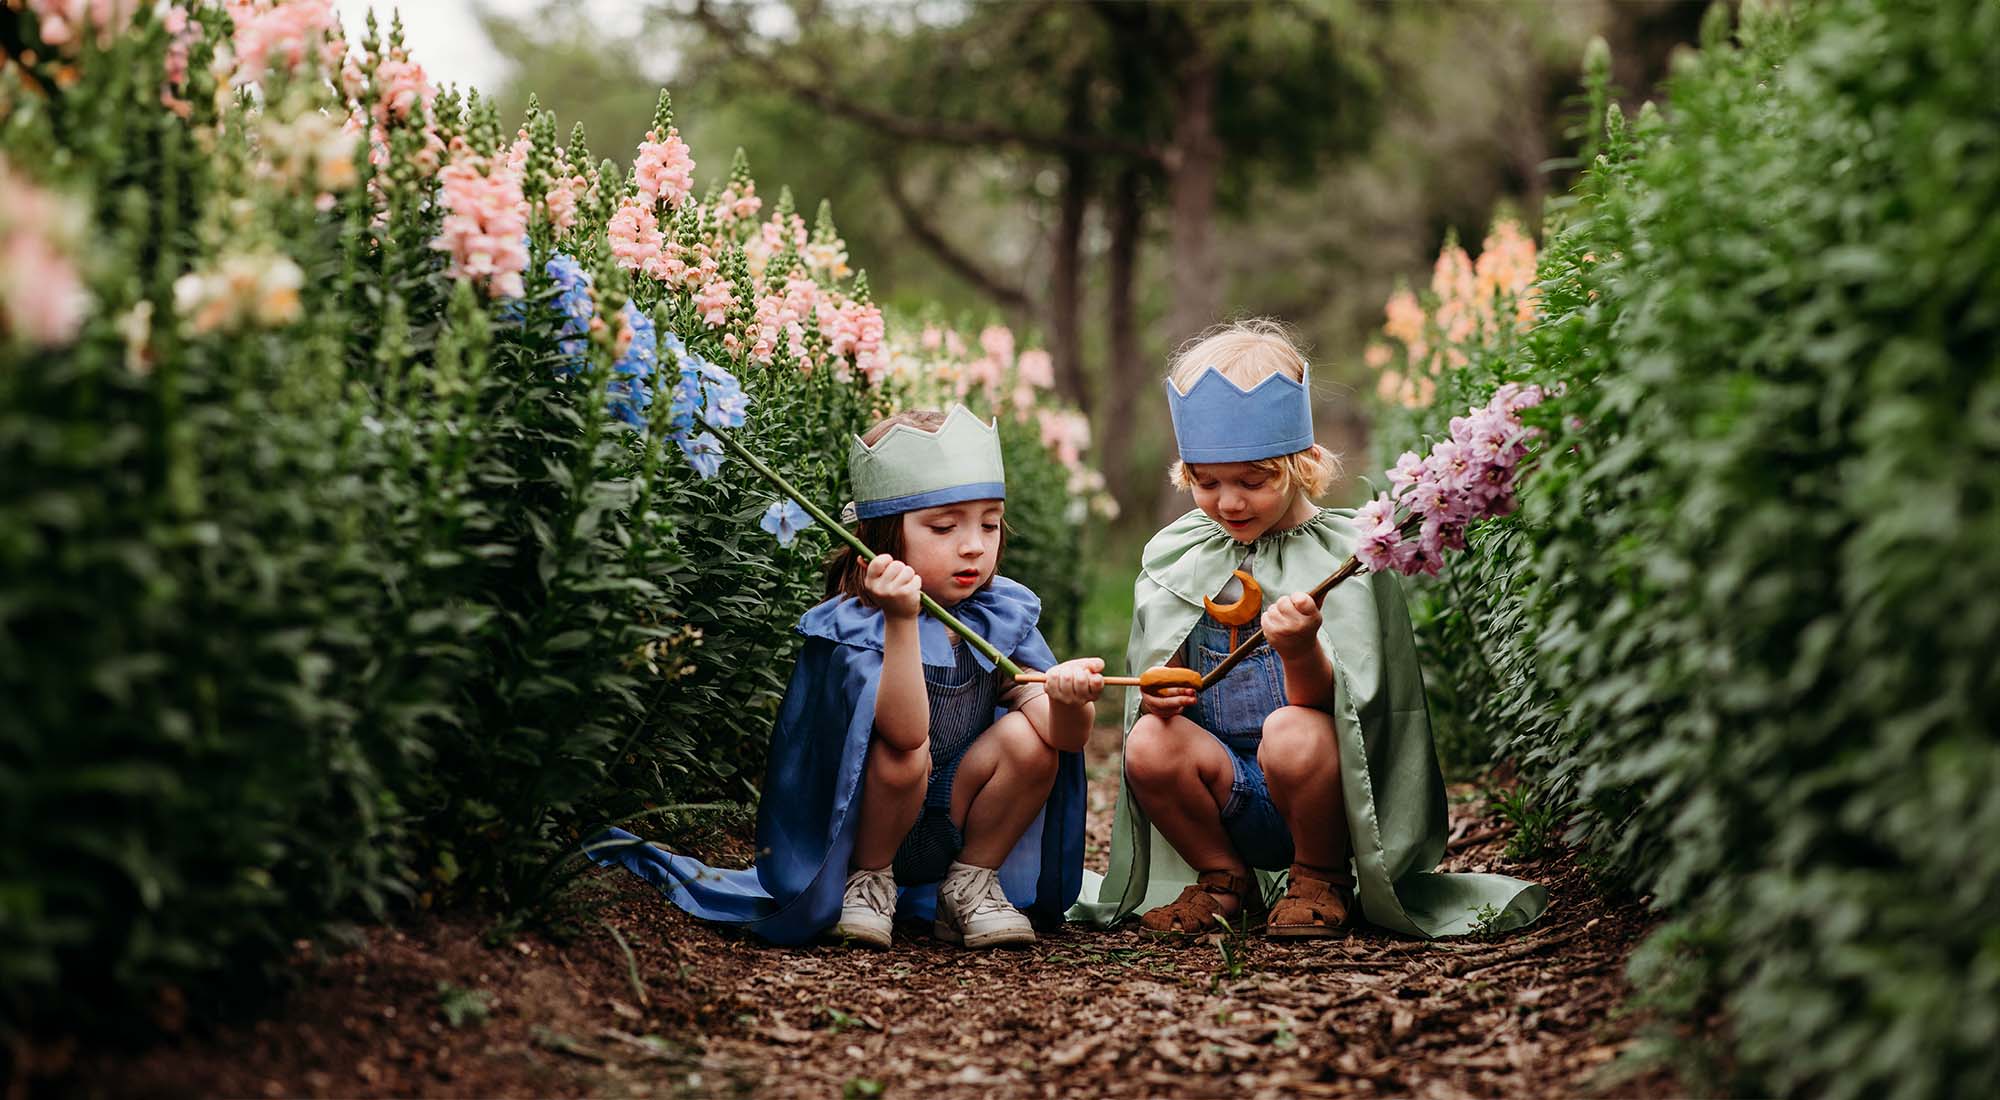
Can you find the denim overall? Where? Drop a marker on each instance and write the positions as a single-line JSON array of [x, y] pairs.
[[1233, 712], [962, 701]]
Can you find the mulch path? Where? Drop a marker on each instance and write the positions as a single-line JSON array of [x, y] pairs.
[[668, 1006]]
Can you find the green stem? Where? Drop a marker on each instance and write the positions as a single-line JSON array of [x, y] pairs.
[[840, 532]]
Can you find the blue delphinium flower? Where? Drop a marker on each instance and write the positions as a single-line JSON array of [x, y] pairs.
[[576, 304], [685, 408], [704, 453], [631, 386], [727, 404], [655, 362], [785, 519]]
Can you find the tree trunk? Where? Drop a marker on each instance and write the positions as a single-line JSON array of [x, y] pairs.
[[1194, 167], [1128, 376], [1065, 303]]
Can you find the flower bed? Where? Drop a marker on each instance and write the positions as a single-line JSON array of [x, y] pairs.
[[363, 533]]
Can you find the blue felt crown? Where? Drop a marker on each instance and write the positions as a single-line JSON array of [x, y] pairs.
[[1219, 421]]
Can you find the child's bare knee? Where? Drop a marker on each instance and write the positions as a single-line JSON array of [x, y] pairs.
[[1023, 751], [901, 769], [1297, 741], [1150, 758]]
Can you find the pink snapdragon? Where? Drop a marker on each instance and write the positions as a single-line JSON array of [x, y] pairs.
[[998, 343], [401, 88], [733, 206], [561, 200], [827, 258], [714, 303], [839, 326], [180, 38], [42, 298], [485, 223], [780, 322], [1064, 432], [314, 151], [770, 239], [283, 34], [1506, 270], [869, 357], [565, 187], [64, 22], [664, 167], [853, 331], [1466, 478], [1405, 322], [983, 372], [634, 233], [240, 290], [1036, 368], [1457, 292]]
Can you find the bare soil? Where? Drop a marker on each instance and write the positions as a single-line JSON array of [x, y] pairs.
[[654, 1003]]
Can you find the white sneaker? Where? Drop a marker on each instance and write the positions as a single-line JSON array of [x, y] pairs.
[[868, 907], [974, 912]]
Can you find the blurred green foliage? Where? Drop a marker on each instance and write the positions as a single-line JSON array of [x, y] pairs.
[[372, 606], [1742, 628]]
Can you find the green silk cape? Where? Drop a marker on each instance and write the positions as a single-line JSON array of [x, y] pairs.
[[1389, 770]]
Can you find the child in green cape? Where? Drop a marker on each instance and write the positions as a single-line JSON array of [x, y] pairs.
[[1305, 779]]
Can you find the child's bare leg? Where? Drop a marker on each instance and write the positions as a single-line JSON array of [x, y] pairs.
[[1182, 779], [1001, 785], [1300, 755], [892, 796]]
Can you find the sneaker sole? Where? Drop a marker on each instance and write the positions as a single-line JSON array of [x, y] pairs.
[[862, 934], [1004, 937]]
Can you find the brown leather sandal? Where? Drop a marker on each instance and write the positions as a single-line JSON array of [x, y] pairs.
[[1317, 903], [1195, 911]]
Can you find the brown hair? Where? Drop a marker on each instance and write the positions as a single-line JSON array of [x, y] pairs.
[[883, 534], [1246, 353]]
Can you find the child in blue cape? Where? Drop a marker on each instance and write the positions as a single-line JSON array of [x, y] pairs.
[[908, 775]]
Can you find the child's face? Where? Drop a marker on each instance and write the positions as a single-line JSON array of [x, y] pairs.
[[1246, 500], [954, 547]]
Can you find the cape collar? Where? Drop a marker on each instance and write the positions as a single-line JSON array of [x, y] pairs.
[[1192, 557]]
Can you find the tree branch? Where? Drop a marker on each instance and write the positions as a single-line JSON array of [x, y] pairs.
[[931, 237], [936, 131]]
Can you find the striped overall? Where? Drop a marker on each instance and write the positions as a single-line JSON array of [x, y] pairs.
[[962, 702]]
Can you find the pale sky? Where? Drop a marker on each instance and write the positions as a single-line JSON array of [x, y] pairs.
[[445, 38], [442, 35]]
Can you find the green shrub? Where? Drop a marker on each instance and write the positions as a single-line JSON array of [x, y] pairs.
[[1743, 623], [330, 586]]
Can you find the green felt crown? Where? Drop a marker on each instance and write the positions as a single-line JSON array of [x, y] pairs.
[[910, 468]]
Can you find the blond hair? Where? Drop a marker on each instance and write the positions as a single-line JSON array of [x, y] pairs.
[[1246, 353]]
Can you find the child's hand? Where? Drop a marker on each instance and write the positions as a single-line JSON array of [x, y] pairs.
[[894, 587], [1074, 683], [1166, 702], [1291, 623]]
